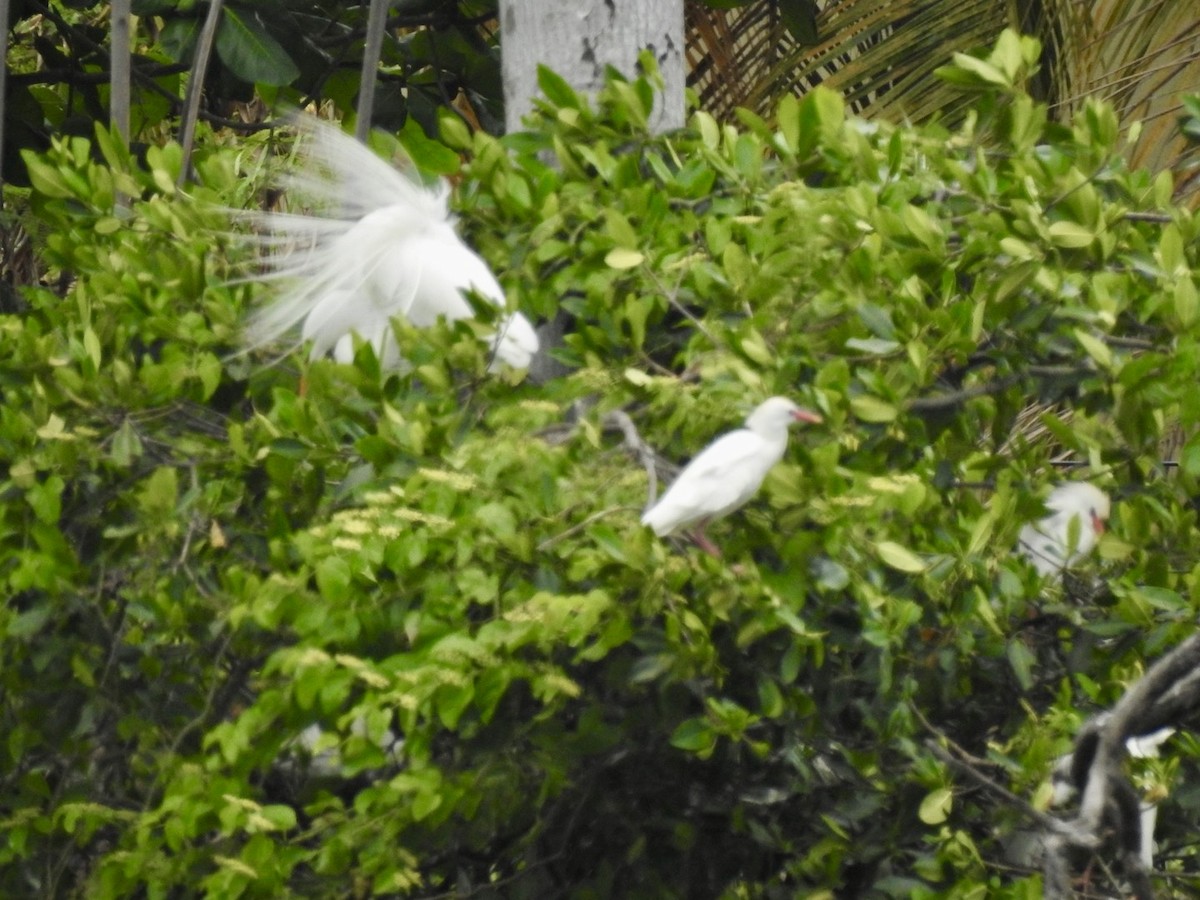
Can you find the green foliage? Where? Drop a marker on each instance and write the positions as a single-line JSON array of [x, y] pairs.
[[288, 53], [516, 687]]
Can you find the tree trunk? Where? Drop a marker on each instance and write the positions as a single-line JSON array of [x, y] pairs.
[[3, 86], [579, 39], [120, 64]]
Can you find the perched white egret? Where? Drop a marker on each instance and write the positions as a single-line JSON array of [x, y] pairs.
[[378, 245], [1078, 513], [727, 473]]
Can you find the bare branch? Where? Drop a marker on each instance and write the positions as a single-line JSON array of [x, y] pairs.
[[1164, 696], [620, 420], [579, 526], [951, 399]]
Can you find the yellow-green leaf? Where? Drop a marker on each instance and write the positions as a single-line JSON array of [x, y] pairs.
[[872, 409], [1096, 348], [983, 70], [936, 806], [1070, 234], [623, 258], [899, 557], [1186, 302]]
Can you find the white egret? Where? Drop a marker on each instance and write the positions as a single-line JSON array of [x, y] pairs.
[[727, 473], [378, 245], [1078, 514]]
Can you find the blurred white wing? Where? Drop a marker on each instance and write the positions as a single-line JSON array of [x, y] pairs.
[[378, 245]]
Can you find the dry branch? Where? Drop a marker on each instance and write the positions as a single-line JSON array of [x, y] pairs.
[[1165, 696]]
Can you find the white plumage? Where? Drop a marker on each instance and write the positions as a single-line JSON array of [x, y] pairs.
[[380, 245], [1078, 513], [728, 472]]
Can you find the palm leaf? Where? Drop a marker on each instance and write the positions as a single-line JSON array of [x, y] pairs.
[[881, 55]]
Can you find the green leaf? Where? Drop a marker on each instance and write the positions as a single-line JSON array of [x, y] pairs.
[[159, 492], [1022, 660], [935, 807], [250, 52], [770, 698], [710, 131], [623, 258], [1070, 234], [454, 132], [872, 409], [980, 69], [46, 499], [873, 346], [1161, 598], [899, 557], [788, 117], [45, 178], [1170, 250], [556, 89], [696, 736], [281, 818], [1007, 54], [498, 519], [333, 577], [800, 19], [1096, 348], [28, 623], [452, 702], [126, 445], [178, 37], [1186, 302], [428, 155]]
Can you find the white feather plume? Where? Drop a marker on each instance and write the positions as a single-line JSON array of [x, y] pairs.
[[378, 245]]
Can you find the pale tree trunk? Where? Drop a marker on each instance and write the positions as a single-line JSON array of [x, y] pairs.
[[3, 85], [119, 66], [376, 29], [195, 88], [579, 38]]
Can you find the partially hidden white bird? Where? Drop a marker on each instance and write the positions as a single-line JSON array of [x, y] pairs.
[[1078, 514], [378, 245], [727, 473]]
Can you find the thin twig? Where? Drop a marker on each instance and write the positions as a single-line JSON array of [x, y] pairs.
[[969, 765], [950, 399], [1046, 821], [955, 398], [579, 526], [634, 443], [195, 88], [1168, 692], [673, 299]]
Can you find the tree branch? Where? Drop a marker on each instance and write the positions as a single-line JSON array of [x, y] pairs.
[[1164, 696], [619, 419], [950, 399]]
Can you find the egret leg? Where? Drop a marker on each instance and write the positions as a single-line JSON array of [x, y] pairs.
[[704, 542]]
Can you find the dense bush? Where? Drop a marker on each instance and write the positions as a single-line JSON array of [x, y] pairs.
[[519, 691]]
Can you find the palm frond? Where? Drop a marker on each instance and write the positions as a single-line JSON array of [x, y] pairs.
[[881, 55]]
